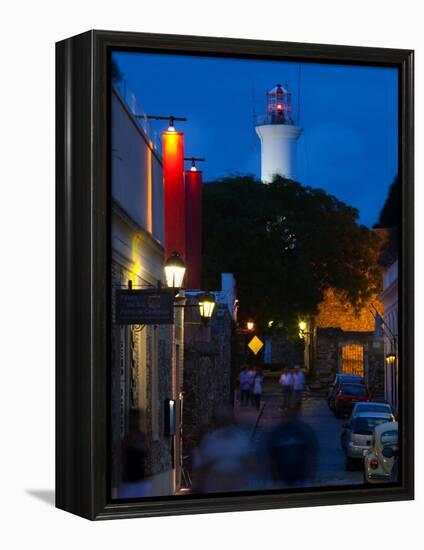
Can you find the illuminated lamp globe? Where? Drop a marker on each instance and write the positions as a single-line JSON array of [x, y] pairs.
[[302, 325], [206, 306], [250, 325], [175, 269], [390, 358]]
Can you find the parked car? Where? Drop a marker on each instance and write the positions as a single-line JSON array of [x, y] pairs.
[[335, 386], [370, 406], [347, 396], [380, 462], [357, 437]]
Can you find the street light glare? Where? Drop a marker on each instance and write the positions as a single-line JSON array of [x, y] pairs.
[[206, 306], [174, 271], [302, 325]]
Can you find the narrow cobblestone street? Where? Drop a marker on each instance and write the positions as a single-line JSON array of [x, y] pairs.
[[331, 468]]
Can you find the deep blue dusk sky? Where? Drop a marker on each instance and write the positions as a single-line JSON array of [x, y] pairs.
[[349, 116]]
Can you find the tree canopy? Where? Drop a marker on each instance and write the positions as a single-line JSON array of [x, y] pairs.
[[389, 215], [285, 244]]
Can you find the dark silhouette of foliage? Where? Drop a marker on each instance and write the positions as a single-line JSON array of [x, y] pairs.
[[116, 72], [285, 244], [389, 215]]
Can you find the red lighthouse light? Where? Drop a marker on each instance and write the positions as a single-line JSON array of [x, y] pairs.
[[279, 105]]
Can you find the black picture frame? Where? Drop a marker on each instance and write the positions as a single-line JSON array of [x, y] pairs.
[[82, 240]]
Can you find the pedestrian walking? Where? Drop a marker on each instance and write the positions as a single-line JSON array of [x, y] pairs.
[[298, 386], [245, 384], [252, 374], [286, 382], [257, 388]]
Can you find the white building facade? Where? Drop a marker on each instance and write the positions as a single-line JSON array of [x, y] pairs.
[[146, 360], [390, 300]]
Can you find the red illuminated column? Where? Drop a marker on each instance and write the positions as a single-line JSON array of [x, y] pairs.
[[174, 196], [193, 186]]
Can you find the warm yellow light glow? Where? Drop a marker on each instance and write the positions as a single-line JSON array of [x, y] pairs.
[[270, 323], [134, 255], [171, 128], [390, 358], [206, 306], [302, 325], [250, 325]]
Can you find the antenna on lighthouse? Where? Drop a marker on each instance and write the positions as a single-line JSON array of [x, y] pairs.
[[298, 97]]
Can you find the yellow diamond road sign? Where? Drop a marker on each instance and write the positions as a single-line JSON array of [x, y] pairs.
[[255, 344]]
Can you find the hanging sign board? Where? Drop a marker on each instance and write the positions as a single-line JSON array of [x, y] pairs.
[[144, 307]]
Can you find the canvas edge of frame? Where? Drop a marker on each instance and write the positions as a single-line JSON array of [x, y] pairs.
[[82, 239]]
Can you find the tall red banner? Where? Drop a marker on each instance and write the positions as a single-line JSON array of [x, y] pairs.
[[193, 186], [174, 196]]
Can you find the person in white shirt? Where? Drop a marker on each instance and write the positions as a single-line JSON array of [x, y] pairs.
[[286, 382], [257, 388], [298, 385], [245, 385]]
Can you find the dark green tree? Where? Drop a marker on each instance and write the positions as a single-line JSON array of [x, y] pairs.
[[116, 71], [389, 215], [285, 244]]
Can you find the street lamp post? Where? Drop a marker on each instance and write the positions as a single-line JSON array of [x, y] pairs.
[[175, 270], [303, 333]]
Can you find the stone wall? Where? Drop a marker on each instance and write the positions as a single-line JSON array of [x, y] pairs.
[[329, 342], [283, 352], [207, 373]]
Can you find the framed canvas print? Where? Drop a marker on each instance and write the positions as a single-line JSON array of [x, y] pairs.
[[234, 275]]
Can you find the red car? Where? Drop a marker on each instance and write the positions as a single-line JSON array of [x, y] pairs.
[[348, 395]]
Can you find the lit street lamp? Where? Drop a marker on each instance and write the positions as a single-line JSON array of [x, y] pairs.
[[206, 306], [175, 269], [250, 325], [306, 335], [390, 358]]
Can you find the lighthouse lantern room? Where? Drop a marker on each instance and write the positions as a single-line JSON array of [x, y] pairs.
[[278, 135], [279, 105]]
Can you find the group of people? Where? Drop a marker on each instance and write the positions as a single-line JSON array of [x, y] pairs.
[[292, 382], [251, 382]]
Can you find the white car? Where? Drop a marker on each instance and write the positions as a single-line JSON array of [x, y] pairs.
[[357, 437], [370, 406], [380, 459]]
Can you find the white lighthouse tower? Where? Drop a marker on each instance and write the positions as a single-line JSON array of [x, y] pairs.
[[278, 135]]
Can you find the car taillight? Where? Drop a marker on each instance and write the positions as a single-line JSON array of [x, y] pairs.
[[374, 464]]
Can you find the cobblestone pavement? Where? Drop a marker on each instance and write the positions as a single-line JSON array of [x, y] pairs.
[[315, 412]]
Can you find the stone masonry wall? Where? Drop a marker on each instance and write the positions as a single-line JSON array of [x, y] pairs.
[[207, 378], [328, 357]]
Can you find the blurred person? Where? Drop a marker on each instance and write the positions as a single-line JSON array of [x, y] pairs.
[[257, 388], [291, 451], [286, 382], [134, 451], [225, 459], [298, 386], [252, 374], [245, 383]]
